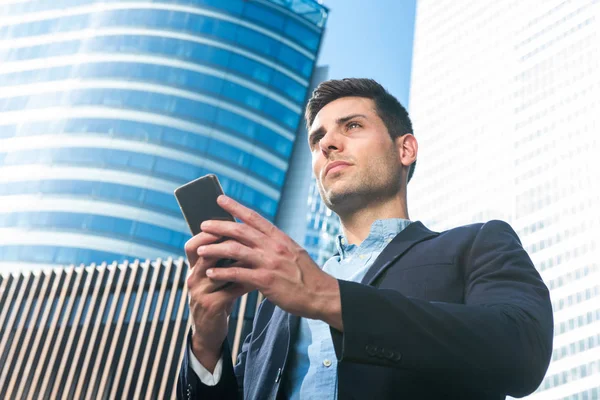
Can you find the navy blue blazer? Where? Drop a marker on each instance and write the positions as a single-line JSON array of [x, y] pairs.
[[461, 314]]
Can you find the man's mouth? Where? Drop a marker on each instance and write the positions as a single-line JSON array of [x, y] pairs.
[[336, 166]]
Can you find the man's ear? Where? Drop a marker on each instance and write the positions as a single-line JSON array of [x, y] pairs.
[[407, 149]]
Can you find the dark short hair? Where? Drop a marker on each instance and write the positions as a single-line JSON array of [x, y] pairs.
[[388, 108]]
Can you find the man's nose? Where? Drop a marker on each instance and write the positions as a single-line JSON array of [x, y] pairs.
[[330, 142]]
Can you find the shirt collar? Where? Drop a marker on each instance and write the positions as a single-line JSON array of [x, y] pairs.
[[382, 231]]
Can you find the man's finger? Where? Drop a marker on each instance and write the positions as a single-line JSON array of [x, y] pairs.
[[197, 276], [228, 295], [230, 249], [198, 271], [247, 215], [243, 276], [242, 233], [191, 246]]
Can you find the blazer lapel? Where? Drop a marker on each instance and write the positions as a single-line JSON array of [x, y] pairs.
[[414, 233], [286, 324], [286, 328], [286, 331], [270, 357], [293, 322]]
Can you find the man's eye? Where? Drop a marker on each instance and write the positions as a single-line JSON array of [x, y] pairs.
[[353, 125]]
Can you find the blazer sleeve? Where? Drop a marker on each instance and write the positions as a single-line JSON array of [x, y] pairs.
[[499, 340], [189, 385], [231, 384]]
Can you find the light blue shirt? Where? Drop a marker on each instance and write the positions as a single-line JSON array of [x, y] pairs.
[[312, 372]]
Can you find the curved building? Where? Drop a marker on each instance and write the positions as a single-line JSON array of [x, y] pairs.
[[107, 106]]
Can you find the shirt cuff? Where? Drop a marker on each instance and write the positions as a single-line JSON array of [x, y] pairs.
[[206, 377]]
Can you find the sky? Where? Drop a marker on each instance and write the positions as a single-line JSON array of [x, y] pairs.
[[370, 39]]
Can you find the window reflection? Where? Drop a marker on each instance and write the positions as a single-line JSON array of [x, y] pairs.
[[146, 198], [124, 160], [258, 13], [197, 52], [156, 103], [59, 255], [140, 232]]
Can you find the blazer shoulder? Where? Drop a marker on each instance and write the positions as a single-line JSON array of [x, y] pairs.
[[466, 231], [498, 228], [493, 229], [477, 227]]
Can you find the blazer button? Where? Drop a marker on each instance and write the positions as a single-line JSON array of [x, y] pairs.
[[374, 352], [397, 357], [370, 350]]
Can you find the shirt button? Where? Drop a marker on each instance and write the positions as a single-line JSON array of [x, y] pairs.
[[327, 363]]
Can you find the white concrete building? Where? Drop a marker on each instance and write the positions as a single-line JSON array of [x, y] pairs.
[[505, 103]]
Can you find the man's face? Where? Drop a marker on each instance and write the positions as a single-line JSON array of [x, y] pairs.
[[348, 130]]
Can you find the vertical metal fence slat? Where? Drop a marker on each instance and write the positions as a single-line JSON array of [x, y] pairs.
[[73, 333], [143, 322], [52, 329], [150, 338], [96, 369], [7, 280], [61, 333], [130, 328], [96, 327], [166, 325], [181, 309], [98, 276], [7, 367], [11, 320], [135, 269], [9, 300], [238, 328], [188, 326], [259, 299], [33, 362], [46, 277]]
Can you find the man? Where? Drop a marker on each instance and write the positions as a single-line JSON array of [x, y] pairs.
[[400, 312]]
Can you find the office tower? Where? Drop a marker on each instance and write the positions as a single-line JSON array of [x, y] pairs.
[[322, 227], [302, 214], [505, 106], [107, 106]]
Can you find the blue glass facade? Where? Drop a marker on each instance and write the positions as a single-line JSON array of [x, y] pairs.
[[107, 106], [322, 227], [302, 214]]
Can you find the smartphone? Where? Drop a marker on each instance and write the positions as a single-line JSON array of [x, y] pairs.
[[198, 202]]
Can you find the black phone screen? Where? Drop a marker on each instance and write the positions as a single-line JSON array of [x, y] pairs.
[[198, 202]]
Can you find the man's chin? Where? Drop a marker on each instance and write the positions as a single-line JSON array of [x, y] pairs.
[[341, 197], [337, 188]]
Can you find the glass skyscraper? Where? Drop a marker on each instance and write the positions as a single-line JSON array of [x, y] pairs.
[[107, 106], [505, 105], [302, 214]]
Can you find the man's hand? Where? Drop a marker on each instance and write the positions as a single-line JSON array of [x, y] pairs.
[[272, 262], [209, 307]]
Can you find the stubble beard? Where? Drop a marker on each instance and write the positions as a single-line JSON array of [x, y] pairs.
[[379, 183]]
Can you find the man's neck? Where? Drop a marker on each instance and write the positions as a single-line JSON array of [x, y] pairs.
[[356, 225]]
